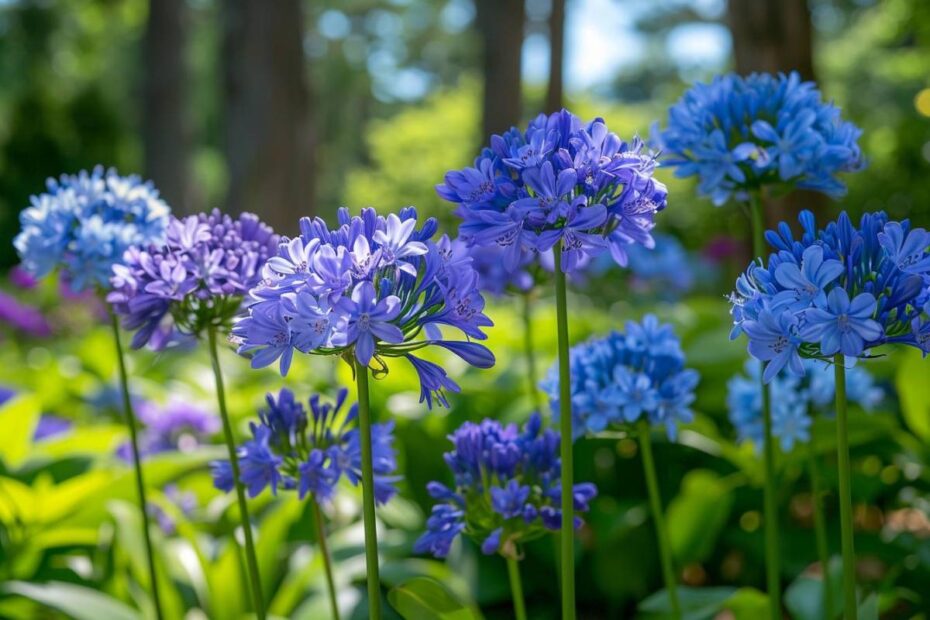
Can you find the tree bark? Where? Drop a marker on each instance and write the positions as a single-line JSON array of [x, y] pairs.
[[500, 23], [269, 134], [165, 123], [556, 56]]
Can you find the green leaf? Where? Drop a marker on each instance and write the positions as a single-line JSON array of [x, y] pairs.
[[804, 597], [426, 599], [915, 398], [697, 515], [76, 601], [748, 604], [18, 419], [696, 603]]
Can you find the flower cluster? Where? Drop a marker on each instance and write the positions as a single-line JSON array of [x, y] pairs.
[[559, 181], [794, 400], [625, 377], [842, 289], [668, 270], [507, 489], [84, 223], [22, 318], [292, 450], [176, 426], [740, 133], [197, 278], [373, 288]]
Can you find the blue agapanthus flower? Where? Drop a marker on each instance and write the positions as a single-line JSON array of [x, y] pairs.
[[311, 453], [198, 277], [625, 377], [85, 222], [506, 492], [374, 288], [795, 400], [738, 133], [559, 181], [842, 289]]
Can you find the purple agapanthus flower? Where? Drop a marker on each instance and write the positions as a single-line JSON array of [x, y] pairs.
[[177, 426], [372, 289], [738, 134], [843, 289], [561, 185], [506, 492], [197, 278], [310, 452], [625, 377], [84, 222]]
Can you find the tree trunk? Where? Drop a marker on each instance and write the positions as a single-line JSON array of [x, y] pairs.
[[269, 136], [556, 56], [772, 36], [165, 123], [775, 36], [500, 23]]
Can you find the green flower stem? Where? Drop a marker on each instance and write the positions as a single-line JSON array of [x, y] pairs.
[[658, 517], [529, 350], [516, 589], [846, 516], [567, 568], [327, 559], [820, 531], [137, 465], [770, 500], [368, 494], [250, 557]]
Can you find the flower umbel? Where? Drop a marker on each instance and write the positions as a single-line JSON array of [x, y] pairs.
[[374, 288], [842, 289], [559, 181], [197, 278], [624, 377], [506, 491], [737, 134], [84, 222], [310, 452]]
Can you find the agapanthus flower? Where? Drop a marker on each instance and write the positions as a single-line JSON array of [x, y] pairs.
[[22, 318], [842, 289], [625, 377], [506, 489], [177, 425], [311, 453], [738, 134], [561, 182], [668, 270], [183, 502], [374, 288], [85, 222], [795, 400], [197, 278], [49, 426]]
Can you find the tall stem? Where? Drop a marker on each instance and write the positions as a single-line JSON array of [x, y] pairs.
[[516, 589], [327, 559], [820, 531], [137, 465], [658, 517], [770, 500], [250, 557], [565, 424], [529, 350], [846, 516], [368, 493]]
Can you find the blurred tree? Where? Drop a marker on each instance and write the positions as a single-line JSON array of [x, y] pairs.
[[556, 56], [772, 36], [501, 24], [165, 125], [269, 140]]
